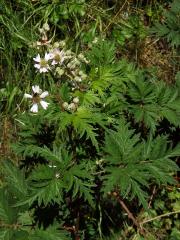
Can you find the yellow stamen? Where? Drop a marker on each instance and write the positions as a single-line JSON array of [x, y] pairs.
[[57, 57], [43, 63]]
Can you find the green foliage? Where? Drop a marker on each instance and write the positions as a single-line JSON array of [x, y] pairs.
[[8, 98], [51, 233], [132, 163], [15, 179], [131, 28], [82, 121], [170, 29], [48, 183], [152, 102], [16, 221]]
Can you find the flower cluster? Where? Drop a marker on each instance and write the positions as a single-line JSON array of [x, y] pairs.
[[64, 60], [71, 106], [63, 64]]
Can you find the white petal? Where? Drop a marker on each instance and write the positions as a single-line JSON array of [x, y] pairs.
[[38, 66], [53, 62], [62, 53], [37, 58], [27, 95], [62, 59], [51, 55], [34, 108], [47, 56], [44, 94], [44, 104], [36, 89], [56, 50], [43, 70]]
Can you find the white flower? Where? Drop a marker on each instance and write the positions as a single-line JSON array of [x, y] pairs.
[[37, 97], [57, 56], [42, 63]]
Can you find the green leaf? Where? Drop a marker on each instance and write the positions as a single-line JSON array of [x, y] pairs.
[[131, 164], [50, 233]]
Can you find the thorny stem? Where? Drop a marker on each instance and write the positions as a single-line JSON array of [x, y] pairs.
[[130, 215], [77, 227]]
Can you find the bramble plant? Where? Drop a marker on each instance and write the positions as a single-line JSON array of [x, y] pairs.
[[83, 147]]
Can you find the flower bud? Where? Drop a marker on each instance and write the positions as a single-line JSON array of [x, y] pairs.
[[62, 44], [81, 56], [77, 62], [46, 27], [95, 40], [78, 79], [76, 100], [81, 73], [65, 105], [83, 76], [69, 65], [41, 30], [68, 52], [60, 71], [72, 106], [56, 45]]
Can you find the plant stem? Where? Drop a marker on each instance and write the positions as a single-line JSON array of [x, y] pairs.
[[130, 215], [160, 216], [152, 196]]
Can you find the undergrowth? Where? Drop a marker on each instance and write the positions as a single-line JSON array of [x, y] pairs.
[[89, 143]]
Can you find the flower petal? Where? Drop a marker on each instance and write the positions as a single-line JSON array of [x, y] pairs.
[[38, 66], [37, 58], [36, 89], [47, 56], [43, 70], [62, 59], [44, 104], [51, 55], [44, 94], [53, 62], [27, 95], [34, 108]]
